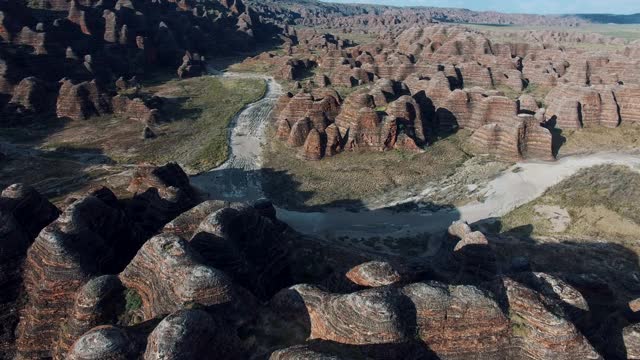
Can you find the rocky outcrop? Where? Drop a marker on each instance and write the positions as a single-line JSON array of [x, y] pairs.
[[493, 109], [518, 138], [574, 107], [472, 238], [96, 303], [350, 111], [180, 298], [538, 141], [313, 146], [104, 40], [97, 234], [283, 129], [374, 274], [366, 317], [408, 114], [527, 104], [302, 352], [187, 223], [105, 342], [474, 74], [30, 95], [453, 321], [81, 101], [299, 132], [189, 334], [31, 210], [631, 338], [167, 275], [185, 334], [454, 111], [334, 140], [541, 333], [23, 213], [320, 108], [459, 321], [249, 244], [459, 229], [161, 194], [557, 292], [297, 107], [91, 237], [626, 97], [192, 65], [135, 109]]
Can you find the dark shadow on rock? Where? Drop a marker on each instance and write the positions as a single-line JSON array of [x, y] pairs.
[[292, 313], [314, 262], [606, 274], [415, 350], [54, 173], [174, 110], [446, 123], [557, 139], [428, 109]]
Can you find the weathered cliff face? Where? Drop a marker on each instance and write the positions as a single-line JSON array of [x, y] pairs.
[[30, 95], [303, 352], [575, 107], [83, 242], [161, 194], [539, 332], [513, 140], [451, 321], [97, 302], [97, 234], [81, 101], [191, 334], [366, 317], [105, 342], [459, 321], [23, 213]]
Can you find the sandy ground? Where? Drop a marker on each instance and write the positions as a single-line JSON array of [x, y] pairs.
[[239, 180], [559, 218], [503, 194], [515, 188]]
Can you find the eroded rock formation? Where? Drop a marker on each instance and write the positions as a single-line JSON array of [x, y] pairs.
[[167, 276], [190, 290]]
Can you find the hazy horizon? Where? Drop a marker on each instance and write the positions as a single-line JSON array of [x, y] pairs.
[[622, 7]]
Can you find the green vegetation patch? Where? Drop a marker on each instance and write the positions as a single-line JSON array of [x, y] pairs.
[[197, 132], [629, 32], [133, 301], [351, 178], [602, 202], [130, 313], [194, 128], [519, 325], [626, 137]]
